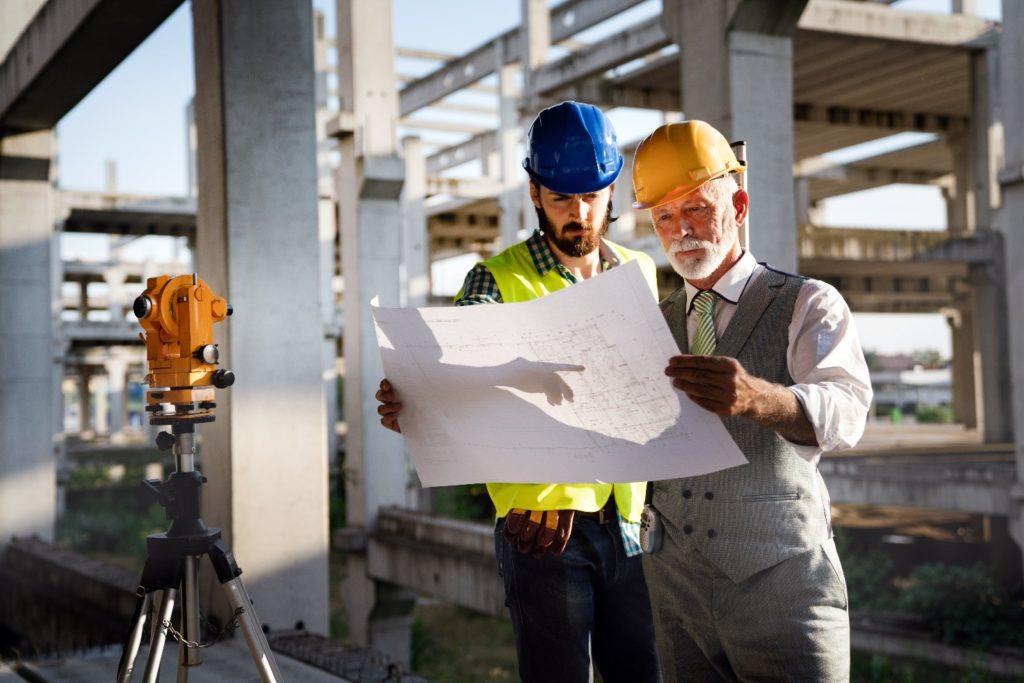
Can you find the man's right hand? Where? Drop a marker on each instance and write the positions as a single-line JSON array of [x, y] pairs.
[[389, 406]]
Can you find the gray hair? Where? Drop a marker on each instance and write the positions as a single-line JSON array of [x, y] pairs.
[[722, 189]]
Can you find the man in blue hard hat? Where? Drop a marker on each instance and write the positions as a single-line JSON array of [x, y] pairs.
[[568, 553]]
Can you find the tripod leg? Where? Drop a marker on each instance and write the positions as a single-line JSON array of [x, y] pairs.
[[189, 656], [259, 648], [134, 640], [156, 647]]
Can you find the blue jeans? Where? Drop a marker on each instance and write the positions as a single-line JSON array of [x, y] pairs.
[[590, 599]]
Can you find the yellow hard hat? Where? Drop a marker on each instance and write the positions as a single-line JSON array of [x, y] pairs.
[[677, 159]]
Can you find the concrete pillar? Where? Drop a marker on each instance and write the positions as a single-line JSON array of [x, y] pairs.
[[510, 202], [624, 229], [976, 196], [117, 384], [737, 74], [1011, 222], [83, 300], [85, 423], [536, 18], [328, 221], [258, 246], [415, 258], [28, 376], [100, 390], [116, 296], [370, 180], [965, 362]]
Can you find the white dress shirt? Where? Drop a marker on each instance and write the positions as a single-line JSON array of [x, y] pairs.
[[824, 357]]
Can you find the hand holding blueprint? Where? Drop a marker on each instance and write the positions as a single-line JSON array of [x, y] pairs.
[[566, 388]]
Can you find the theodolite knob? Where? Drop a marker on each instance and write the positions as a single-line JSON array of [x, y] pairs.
[[165, 441], [222, 379], [208, 354]]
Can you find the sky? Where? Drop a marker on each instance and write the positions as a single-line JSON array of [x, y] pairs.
[[136, 117]]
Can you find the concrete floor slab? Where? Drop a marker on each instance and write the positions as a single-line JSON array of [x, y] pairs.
[[226, 661]]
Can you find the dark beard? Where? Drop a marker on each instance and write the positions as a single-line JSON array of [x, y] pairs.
[[572, 246]]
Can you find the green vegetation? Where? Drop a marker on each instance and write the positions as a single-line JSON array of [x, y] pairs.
[[935, 414], [963, 605], [870, 668]]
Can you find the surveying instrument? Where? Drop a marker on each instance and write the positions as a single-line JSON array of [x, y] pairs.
[[178, 314]]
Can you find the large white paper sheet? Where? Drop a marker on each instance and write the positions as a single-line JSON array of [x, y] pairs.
[[566, 388]]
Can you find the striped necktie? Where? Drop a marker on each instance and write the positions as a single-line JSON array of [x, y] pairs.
[[704, 340]]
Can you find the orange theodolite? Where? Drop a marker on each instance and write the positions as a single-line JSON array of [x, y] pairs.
[[178, 314]]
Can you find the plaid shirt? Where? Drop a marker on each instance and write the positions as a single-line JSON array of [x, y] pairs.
[[480, 287]]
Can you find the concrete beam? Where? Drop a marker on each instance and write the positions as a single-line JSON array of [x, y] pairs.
[[619, 48], [131, 222], [865, 20], [979, 484], [567, 19], [475, 148], [65, 51], [876, 118]]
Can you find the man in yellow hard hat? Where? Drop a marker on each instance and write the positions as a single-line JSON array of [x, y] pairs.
[[746, 583]]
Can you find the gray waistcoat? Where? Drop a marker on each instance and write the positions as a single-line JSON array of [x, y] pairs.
[[748, 518]]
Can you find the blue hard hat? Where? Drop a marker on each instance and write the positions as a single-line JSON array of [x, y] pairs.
[[572, 149]]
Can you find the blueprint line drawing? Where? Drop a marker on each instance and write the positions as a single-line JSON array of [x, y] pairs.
[[566, 388]]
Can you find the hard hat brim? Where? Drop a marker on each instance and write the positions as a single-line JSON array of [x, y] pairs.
[[572, 185], [683, 190]]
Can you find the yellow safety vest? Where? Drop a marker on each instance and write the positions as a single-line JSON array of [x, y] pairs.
[[518, 280]]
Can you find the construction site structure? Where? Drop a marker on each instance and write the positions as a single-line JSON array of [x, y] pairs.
[[301, 212]]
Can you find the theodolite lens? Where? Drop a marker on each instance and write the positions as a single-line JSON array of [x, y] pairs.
[[142, 307]]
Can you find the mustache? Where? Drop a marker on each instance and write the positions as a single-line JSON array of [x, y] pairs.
[[576, 225], [688, 244]]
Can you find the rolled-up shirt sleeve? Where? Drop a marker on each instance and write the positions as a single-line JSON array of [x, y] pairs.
[[827, 364]]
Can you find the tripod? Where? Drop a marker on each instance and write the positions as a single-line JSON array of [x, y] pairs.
[[172, 569]]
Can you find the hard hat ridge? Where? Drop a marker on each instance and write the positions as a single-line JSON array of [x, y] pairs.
[[572, 148]]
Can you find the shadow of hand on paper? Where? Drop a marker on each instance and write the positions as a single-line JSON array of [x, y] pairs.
[[533, 377]]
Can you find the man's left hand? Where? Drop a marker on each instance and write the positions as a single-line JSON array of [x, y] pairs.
[[717, 383]]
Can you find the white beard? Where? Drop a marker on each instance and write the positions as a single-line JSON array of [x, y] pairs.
[[698, 268]]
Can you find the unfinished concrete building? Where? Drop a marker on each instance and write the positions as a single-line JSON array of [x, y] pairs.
[[795, 79]]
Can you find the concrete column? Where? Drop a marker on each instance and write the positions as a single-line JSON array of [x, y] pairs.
[[100, 390], [83, 300], [624, 229], [737, 74], [117, 384], [328, 221], [28, 375], [85, 423], [1011, 220], [370, 181], [258, 246], [115, 278], [510, 202], [965, 360], [414, 225], [536, 18]]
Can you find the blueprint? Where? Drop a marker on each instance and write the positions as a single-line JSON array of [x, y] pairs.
[[566, 388]]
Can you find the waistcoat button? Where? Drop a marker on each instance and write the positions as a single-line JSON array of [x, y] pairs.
[[708, 495], [687, 529], [711, 533], [687, 494]]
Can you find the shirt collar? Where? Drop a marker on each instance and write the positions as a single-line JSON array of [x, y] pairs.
[[544, 259], [732, 283]]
